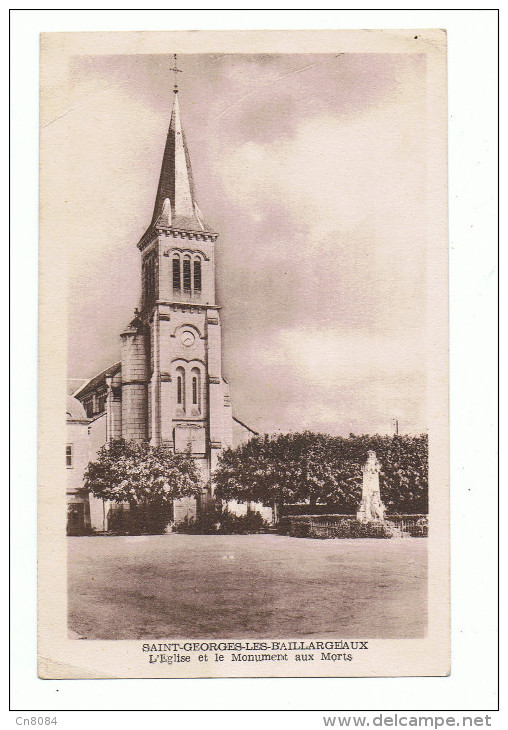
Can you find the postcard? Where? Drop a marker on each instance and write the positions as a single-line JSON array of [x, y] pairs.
[[243, 391]]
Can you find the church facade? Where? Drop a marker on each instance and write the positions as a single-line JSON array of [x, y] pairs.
[[168, 386]]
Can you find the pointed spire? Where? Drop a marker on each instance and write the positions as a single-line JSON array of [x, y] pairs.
[[175, 204]]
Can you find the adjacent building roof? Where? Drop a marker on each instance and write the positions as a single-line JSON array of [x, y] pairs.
[[90, 385], [244, 425], [74, 383], [75, 411]]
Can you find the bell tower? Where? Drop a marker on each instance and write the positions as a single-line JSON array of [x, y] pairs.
[[171, 351]]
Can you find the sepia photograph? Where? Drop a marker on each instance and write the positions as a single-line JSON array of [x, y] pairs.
[[253, 257]]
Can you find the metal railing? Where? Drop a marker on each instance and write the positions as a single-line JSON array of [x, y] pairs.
[[344, 526]]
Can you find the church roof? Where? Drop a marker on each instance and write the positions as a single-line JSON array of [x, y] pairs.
[[175, 203]]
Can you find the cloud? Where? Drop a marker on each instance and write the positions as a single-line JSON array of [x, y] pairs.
[[326, 356], [337, 173], [317, 186], [333, 381]]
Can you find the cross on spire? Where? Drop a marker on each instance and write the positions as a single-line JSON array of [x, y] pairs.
[[176, 70]]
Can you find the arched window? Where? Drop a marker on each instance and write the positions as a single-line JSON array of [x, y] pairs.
[[180, 387], [187, 274], [177, 285], [196, 388], [197, 275]]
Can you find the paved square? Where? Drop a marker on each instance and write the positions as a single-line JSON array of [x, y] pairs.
[[246, 586]]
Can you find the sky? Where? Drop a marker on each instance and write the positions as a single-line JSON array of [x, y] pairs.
[[312, 168]]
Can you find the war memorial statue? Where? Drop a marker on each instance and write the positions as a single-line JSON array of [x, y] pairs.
[[371, 509]]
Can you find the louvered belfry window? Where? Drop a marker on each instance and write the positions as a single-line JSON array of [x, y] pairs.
[[177, 285], [186, 275], [197, 275]]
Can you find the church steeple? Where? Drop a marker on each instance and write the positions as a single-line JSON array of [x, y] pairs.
[[175, 203], [184, 396]]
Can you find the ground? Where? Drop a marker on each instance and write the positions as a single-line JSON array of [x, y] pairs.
[[246, 586]]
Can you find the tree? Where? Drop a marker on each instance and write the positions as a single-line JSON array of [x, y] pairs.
[[403, 478], [261, 470], [331, 476], [404, 471], [319, 469], [279, 470], [147, 478]]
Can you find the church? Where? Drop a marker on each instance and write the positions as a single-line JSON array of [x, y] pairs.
[[167, 387]]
